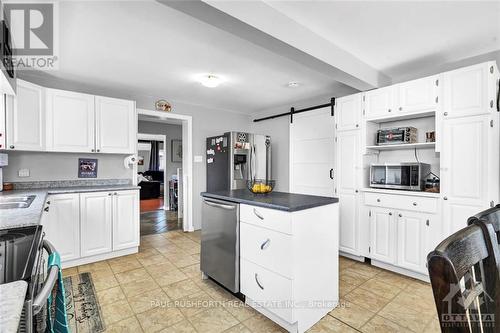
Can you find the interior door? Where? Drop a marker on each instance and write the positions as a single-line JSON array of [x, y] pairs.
[[26, 117], [116, 125], [312, 136]]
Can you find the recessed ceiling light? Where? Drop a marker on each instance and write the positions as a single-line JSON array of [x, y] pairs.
[[210, 80], [293, 84]]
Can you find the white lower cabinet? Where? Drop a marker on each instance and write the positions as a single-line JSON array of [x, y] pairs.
[[382, 235], [86, 227], [403, 230], [61, 223], [125, 217], [96, 224], [288, 260]]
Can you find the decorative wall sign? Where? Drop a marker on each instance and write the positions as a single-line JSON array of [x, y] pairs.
[[176, 147], [87, 168], [163, 105]]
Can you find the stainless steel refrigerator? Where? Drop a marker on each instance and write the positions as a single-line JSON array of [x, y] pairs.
[[236, 157], [232, 159]]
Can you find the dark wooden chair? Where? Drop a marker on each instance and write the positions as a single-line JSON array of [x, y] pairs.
[[464, 274], [491, 216]]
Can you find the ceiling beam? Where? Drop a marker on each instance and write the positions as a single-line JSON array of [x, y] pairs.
[[263, 25]]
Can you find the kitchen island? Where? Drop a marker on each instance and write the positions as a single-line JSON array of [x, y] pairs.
[[286, 250]]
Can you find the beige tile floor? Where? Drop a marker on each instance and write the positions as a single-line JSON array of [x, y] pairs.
[[160, 289]]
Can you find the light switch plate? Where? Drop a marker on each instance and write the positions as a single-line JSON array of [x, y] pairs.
[[198, 158], [23, 172]]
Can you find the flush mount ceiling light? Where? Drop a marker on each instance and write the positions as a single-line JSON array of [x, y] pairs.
[[210, 80], [293, 84]]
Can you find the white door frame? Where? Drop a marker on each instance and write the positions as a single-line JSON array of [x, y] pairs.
[[187, 161], [163, 138]]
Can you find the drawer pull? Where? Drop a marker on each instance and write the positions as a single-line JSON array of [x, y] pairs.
[[258, 214], [414, 204], [257, 281], [378, 200], [266, 244]]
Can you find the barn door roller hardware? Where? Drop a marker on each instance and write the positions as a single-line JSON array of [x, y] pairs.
[[293, 111]]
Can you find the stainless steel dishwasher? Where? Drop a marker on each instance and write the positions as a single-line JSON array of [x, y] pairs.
[[220, 242]]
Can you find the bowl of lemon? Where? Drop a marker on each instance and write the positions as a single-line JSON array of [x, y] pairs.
[[260, 186]]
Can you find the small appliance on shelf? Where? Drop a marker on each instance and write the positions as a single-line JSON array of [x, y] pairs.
[[396, 136], [399, 176]]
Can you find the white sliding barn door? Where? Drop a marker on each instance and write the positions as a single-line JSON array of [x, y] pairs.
[[312, 141]]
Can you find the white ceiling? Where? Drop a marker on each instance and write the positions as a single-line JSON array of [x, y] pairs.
[[394, 36], [149, 49]]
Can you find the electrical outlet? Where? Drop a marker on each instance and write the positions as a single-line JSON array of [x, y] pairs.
[[23, 172]]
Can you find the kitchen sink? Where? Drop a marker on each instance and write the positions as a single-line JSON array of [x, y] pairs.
[[16, 202]]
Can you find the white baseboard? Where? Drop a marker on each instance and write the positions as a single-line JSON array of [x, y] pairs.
[[99, 257], [352, 256], [402, 271]]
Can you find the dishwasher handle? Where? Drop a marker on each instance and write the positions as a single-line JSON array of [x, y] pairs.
[[218, 205], [50, 281]]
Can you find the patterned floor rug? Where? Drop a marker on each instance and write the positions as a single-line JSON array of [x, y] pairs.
[[82, 306]]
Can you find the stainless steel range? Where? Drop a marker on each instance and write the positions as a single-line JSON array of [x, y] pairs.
[[23, 253]]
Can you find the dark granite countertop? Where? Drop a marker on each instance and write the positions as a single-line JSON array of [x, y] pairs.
[[284, 201]]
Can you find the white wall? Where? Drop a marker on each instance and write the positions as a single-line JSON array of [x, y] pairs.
[[61, 166], [172, 132]]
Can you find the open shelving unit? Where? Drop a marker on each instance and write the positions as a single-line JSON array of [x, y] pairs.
[[421, 145]]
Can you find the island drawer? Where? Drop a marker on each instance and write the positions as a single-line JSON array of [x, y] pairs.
[[267, 218], [268, 248], [267, 289], [405, 202]]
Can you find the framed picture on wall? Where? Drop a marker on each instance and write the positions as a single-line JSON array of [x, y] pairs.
[[87, 168], [176, 150]]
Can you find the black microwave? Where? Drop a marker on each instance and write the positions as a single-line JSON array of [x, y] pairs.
[[400, 176]]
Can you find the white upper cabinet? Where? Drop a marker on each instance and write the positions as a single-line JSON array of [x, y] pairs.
[[348, 112], [25, 118], [418, 95], [379, 102], [116, 125], [470, 91], [70, 121], [125, 219]]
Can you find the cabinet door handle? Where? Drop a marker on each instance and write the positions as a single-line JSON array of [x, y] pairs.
[[400, 108], [400, 215], [258, 282], [12, 147], [414, 204], [390, 214], [378, 200], [445, 198], [445, 114], [265, 245], [46, 209], [258, 214], [389, 110], [115, 193], [92, 150], [427, 223], [110, 193], [98, 150], [331, 173], [48, 202]]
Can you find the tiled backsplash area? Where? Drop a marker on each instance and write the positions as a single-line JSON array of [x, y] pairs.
[[70, 183]]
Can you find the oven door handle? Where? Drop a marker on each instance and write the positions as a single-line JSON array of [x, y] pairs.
[[49, 283]]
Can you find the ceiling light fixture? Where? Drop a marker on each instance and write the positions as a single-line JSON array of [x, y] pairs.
[[210, 80], [293, 84]]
